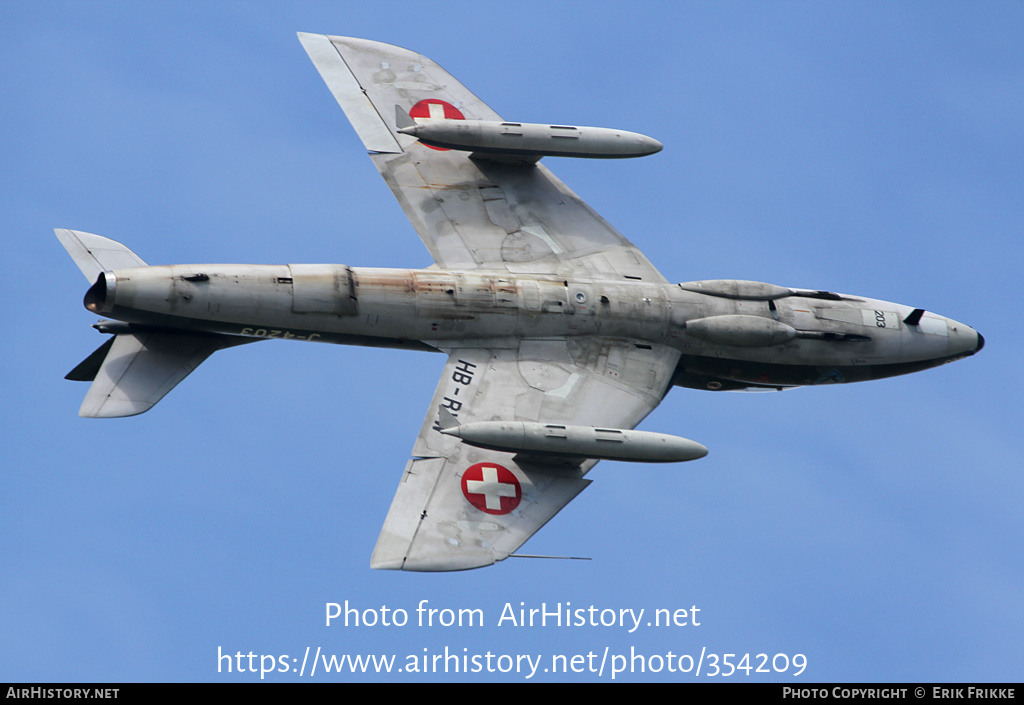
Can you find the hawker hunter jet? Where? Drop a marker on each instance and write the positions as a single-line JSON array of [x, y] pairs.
[[560, 335]]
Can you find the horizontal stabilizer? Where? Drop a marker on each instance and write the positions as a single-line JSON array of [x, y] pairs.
[[87, 369], [95, 254], [140, 368]]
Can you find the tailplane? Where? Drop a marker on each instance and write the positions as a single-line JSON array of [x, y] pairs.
[[95, 254], [132, 371]]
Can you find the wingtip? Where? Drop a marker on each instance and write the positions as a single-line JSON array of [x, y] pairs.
[[306, 37]]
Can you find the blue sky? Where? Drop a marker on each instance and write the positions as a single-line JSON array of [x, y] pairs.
[[867, 148]]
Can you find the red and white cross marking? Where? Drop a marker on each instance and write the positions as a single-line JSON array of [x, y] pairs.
[[435, 109], [491, 488]]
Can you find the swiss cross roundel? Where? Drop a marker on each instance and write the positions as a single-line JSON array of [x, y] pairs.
[[435, 109], [491, 488]]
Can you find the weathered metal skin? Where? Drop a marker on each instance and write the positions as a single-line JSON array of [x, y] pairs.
[[741, 335]]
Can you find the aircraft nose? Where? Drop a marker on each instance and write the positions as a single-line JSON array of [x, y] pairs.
[[963, 340]]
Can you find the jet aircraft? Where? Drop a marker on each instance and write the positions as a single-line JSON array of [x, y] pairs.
[[560, 335]]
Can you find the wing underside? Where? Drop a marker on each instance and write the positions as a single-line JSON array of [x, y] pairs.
[[459, 506], [469, 212]]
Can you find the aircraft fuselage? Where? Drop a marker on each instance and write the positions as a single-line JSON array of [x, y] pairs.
[[741, 334]]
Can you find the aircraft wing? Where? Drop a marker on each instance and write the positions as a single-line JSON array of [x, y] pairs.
[[459, 506], [469, 212]]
